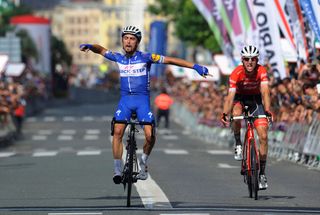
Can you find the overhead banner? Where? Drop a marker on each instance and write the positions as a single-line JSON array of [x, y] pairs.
[[269, 36]]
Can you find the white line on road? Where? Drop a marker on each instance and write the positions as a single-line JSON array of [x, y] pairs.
[[89, 152], [226, 166], [68, 119], [6, 154], [176, 151], [91, 137], [151, 194], [65, 137], [220, 152], [45, 154], [45, 132], [87, 118], [39, 137], [93, 131], [31, 119], [49, 119], [75, 213], [68, 131], [170, 137], [188, 214]]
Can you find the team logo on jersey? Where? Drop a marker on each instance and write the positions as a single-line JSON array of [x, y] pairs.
[[155, 57], [118, 112]]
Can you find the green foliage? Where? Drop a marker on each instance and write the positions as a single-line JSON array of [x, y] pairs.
[[28, 47], [59, 52], [7, 13], [190, 26]]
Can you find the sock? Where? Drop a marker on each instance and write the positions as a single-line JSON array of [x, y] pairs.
[[237, 137], [117, 166], [262, 167], [144, 157]]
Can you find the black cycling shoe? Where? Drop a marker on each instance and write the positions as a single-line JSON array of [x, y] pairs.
[[117, 179]]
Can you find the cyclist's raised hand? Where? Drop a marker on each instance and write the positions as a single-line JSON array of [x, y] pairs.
[[224, 120], [202, 70], [85, 47]]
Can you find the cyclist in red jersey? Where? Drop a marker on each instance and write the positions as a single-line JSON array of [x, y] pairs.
[[248, 86]]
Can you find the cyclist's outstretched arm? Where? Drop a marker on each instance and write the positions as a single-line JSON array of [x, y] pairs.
[[94, 48], [202, 70]]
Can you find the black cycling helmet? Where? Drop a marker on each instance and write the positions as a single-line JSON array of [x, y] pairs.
[[132, 30]]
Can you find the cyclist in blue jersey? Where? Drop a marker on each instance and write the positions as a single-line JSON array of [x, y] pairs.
[[134, 67]]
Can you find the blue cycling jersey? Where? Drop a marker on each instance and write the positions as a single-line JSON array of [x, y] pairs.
[[134, 71]]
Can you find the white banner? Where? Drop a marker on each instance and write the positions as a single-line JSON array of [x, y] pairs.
[[269, 36]]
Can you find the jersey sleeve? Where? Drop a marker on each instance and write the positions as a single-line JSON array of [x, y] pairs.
[[153, 58], [263, 75], [111, 55], [233, 80]]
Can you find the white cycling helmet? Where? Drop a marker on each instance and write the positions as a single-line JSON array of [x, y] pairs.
[[132, 30], [249, 51]]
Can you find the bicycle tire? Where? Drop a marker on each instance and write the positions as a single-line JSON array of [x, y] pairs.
[[247, 170], [254, 170], [130, 167]]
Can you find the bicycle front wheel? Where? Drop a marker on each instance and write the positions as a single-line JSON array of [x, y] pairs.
[[254, 171], [130, 168]]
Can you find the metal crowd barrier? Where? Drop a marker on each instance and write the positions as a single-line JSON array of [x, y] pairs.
[[299, 143]]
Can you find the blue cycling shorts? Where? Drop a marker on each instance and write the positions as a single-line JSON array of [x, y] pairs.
[[138, 103]]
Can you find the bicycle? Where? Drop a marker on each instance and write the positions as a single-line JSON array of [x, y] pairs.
[[250, 164], [130, 167]]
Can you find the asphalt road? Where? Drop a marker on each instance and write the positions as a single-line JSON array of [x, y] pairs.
[[64, 165]]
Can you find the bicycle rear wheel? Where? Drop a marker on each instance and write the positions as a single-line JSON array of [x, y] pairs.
[[254, 171], [130, 167]]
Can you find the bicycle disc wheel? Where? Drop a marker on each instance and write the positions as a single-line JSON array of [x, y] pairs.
[[130, 168], [254, 171]]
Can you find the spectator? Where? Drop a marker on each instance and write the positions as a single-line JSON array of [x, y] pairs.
[[163, 103]]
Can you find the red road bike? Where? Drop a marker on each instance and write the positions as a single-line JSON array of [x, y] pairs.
[[250, 164]]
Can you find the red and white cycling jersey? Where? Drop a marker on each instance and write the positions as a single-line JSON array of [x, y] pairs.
[[245, 84]]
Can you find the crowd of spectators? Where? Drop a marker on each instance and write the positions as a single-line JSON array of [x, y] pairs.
[[16, 93], [294, 99]]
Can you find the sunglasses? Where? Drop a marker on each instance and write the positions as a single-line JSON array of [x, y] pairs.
[[248, 58]]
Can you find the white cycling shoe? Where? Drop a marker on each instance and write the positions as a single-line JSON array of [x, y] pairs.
[[238, 153], [263, 182], [143, 173]]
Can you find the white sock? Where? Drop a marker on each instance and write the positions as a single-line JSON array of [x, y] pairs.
[[117, 166], [144, 157]]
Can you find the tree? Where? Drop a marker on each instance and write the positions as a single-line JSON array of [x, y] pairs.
[[190, 26], [28, 47]]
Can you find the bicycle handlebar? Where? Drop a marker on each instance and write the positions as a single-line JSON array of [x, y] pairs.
[[248, 117]]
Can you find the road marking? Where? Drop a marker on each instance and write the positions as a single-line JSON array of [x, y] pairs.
[[31, 119], [49, 119], [6, 154], [93, 131], [149, 191], [45, 154], [87, 118], [45, 132], [170, 137], [188, 214], [39, 137], [107, 118], [226, 166], [89, 152], [91, 137], [164, 131], [140, 137], [65, 137], [75, 213], [176, 151], [69, 131], [219, 152], [186, 132], [68, 119]]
